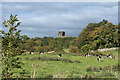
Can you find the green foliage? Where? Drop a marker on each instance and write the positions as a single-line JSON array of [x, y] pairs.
[[11, 49], [86, 48], [47, 44], [73, 49], [98, 35]]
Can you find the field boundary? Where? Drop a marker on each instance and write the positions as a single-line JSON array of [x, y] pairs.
[[107, 49]]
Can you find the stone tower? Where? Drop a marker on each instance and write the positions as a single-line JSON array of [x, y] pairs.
[[61, 34]]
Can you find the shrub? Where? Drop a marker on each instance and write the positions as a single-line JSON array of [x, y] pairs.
[[73, 49]]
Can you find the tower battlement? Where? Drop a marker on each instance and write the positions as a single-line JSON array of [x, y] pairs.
[[61, 33]]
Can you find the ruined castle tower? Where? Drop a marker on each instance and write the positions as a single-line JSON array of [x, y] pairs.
[[61, 34]]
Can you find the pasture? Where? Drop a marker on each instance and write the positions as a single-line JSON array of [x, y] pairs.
[[70, 66]]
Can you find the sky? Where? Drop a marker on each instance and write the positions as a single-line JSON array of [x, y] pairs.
[[39, 19]]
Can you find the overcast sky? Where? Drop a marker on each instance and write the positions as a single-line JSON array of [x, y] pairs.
[[41, 19]]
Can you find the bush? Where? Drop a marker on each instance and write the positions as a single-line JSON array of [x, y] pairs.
[[85, 48], [73, 49]]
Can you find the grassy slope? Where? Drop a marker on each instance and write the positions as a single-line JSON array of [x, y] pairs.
[[65, 69]]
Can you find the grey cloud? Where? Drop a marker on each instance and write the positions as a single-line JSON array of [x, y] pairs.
[[0, 16], [46, 18]]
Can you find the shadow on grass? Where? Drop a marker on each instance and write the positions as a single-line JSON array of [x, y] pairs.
[[44, 58]]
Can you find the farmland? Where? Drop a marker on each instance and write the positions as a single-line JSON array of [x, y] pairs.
[[70, 66]]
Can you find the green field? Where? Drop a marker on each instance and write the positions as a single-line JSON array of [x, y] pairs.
[[70, 66]]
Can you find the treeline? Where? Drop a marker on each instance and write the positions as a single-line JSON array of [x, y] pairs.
[[46, 44], [95, 36]]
